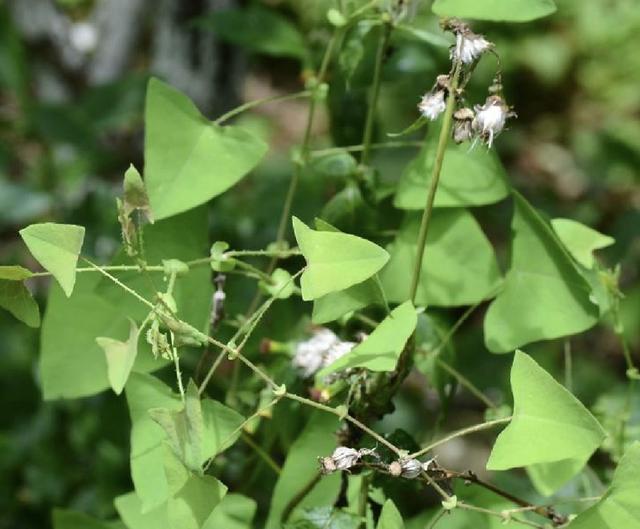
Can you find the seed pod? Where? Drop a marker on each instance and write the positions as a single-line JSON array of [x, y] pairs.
[[490, 118], [462, 125], [345, 457], [411, 468]]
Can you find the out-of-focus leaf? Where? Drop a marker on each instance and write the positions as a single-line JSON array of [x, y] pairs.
[[64, 519], [565, 431], [469, 177], [56, 247], [16, 298], [189, 160], [545, 296], [620, 506], [498, 10], [460, 267], [19, 204], [235, 511], [335, 261], [580, 240], [382, 348], [257, 29], [325, 518], [301, 466], [390, 517]]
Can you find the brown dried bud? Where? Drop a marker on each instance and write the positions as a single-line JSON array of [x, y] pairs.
[[462, 125], [395, 469], [327, 465]]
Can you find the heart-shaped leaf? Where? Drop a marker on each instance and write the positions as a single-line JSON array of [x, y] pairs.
[[620, 506], [335, 260], [120, 357], [545, 296], [189, 160], [460, 266], [469, 177], [498, 10], [565, 432], [381, 350], [580, 240], [56, 247], [390, 517]]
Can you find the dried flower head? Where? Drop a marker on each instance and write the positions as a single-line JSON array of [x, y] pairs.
[[322, 349], [490, 118], [395, 469], [462, 125], [432, 104], [343, 458], [469, 46]]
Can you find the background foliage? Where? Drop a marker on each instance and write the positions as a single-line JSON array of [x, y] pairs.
[[68, 135]]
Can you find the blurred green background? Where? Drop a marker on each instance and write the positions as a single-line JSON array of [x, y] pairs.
[[72, 80]]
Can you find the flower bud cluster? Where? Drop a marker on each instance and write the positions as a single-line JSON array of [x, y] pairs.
[[322, 349], [482, 122], [408, 468]]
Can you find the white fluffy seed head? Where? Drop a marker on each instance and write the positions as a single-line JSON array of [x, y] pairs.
[[490, 118], [469, 46], [432, 104], [322, 349]]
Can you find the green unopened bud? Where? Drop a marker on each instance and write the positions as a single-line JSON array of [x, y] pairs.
[[336, 18]]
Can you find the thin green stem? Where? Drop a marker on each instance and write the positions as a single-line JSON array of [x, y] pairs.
[[375, 92], [465, 382], [435, 485], [176, 363], [318, 153], [299, 496], [460, 433], [436, 518], [254, 272], [445, 133], [383, 295], [468, 507], [568, 365], [257, 102], [114, 268], [262, 454]]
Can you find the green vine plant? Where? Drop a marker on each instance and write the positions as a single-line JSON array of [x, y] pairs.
[[155, 307]]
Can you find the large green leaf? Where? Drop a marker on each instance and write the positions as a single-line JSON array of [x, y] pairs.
[[620, 506], [335, 260], [120, 357], [130, 509], [390, 517], [16, 298], [56, 247], [301, 466], [459, 267], [327, 517], [182, 237], [564, 431], [580, 240], [145, 393], [336, 304], [381, 350], [545, 296], [499, 10], [72, 364], [189, 160], [468, 178], [257, 29]]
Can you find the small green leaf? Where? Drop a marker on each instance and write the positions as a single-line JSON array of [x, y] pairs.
[[16, 298], [390, 517], [620, 506], [340, 165], [56, 247], [469, 177], [451, 503], [184, 428], [219, 261], [235, 511], [281, 286], [498, 10], [131, 509], [580, 240], [545, 296], [14, 273], [565, 432], [189, 160], [335, 261], [135, 195], [194, 498], [381, 350], [257, 29], [174, 266], [460, 267], [301, 466], [120, 357]]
